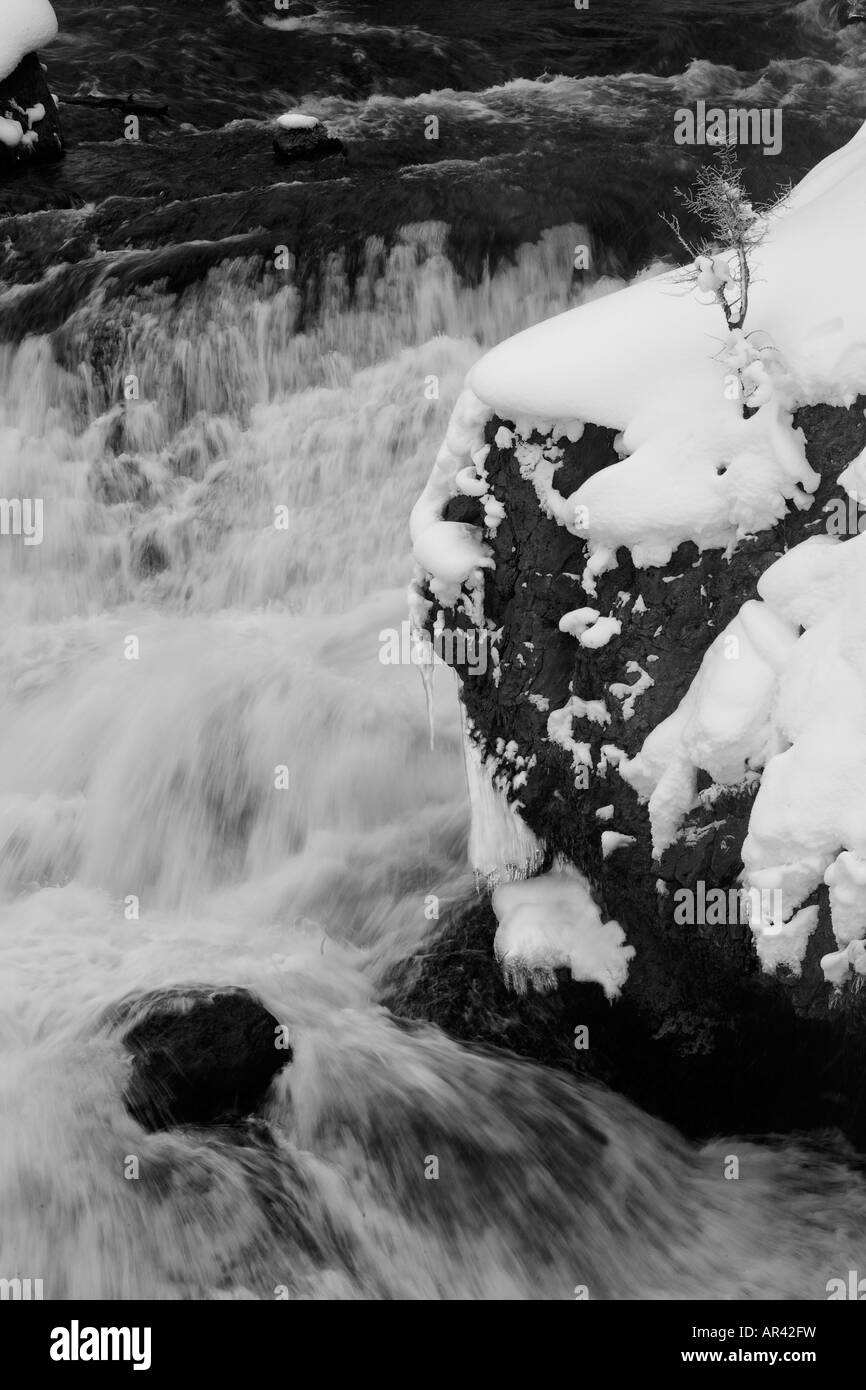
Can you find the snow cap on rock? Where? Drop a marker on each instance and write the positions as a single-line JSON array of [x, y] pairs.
[[296, 120], [25, 25]]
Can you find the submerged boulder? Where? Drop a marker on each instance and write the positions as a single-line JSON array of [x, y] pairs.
[[300, 138], [199, 1055]]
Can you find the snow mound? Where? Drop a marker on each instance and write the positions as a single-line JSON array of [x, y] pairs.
[[550, 923], [25, 25]]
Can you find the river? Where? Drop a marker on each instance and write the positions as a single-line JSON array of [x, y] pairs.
[[166, 648]]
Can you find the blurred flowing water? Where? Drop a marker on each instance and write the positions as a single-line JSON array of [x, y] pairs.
[[147, 785]]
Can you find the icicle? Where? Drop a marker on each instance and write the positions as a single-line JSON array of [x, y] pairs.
[[501, 846], [423, 654]]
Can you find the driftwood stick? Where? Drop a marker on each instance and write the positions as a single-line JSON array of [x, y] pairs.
[[129, 103]]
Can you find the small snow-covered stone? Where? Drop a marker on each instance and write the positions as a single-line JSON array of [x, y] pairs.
[[300, 138]]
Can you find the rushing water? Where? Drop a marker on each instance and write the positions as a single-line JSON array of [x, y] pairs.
[[138, 776]]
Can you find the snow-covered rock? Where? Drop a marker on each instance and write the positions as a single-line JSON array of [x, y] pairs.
[[300, 137], [701, 529], [29, 123]]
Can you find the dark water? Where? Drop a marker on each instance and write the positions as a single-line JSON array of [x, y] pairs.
[[547, 115], [155, 778]]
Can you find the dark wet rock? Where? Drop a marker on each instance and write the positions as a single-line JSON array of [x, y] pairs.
[[695, 1038], [21, 94], [148, 555], [200, 1056], [296, 145], [697, 1009], [851, 12]]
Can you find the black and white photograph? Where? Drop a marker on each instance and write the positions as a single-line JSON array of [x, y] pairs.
[[433, 666]]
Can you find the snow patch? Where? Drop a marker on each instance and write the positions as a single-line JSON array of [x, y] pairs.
[[590, 629], [808, 822], [782, 689], [846, 877], [853, 478], [838, 965], [723, 723], [11, 133], [784, 943], [630, 693], [612, 840], [551, 922], [559, 730]]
